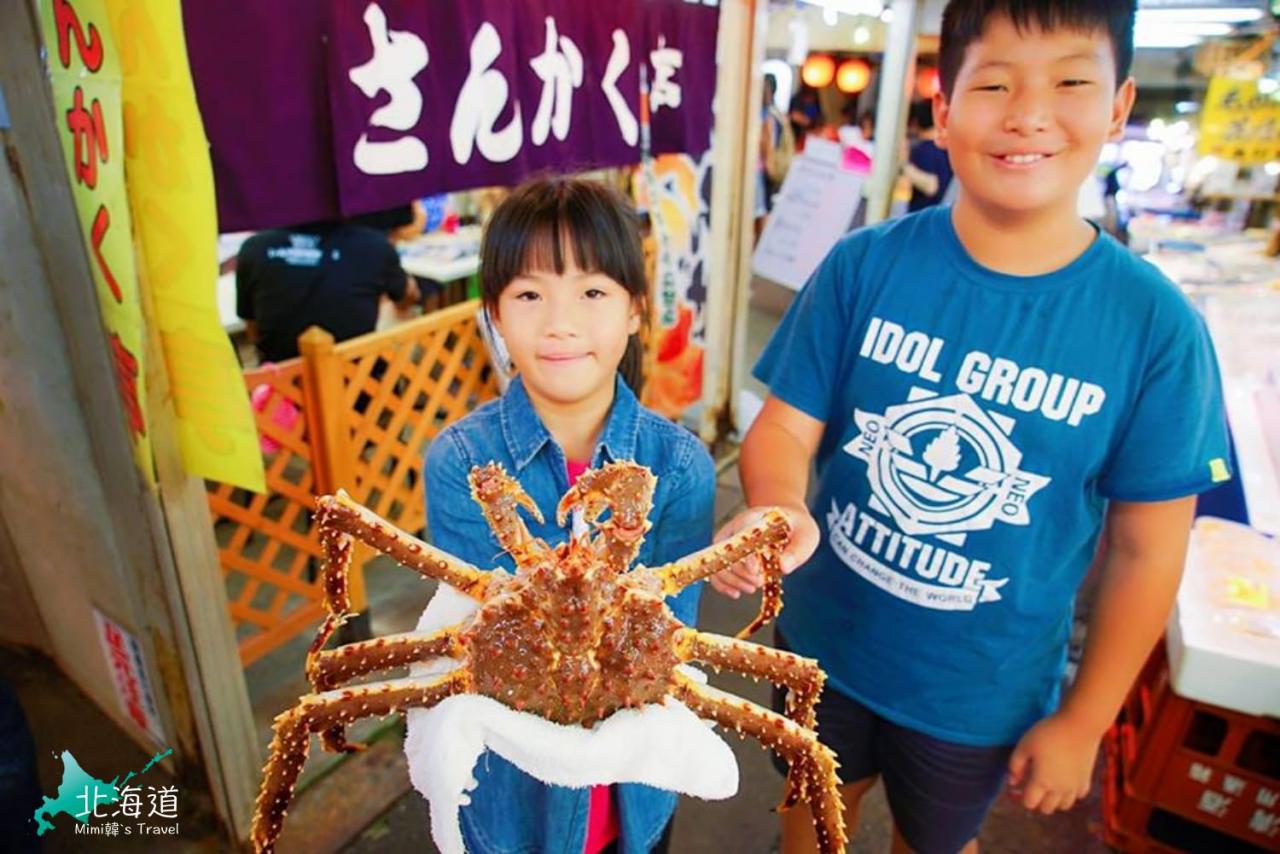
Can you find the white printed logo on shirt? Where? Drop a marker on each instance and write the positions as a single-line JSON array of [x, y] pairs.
[[938, 466], [944, 466]]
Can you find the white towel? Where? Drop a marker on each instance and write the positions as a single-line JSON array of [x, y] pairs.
[[665, 746]]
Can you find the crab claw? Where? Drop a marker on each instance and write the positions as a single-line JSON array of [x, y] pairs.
[[500, 497], [626, 488], [490, 484]]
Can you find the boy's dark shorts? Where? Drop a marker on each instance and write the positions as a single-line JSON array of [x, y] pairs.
[[939, 792]]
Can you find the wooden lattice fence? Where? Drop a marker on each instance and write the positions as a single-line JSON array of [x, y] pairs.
[[357, 416]]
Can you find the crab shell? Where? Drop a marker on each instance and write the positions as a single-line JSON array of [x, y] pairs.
[[572, 642]]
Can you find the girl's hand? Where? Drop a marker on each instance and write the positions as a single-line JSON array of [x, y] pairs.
[[748, 576], [1052, 766]]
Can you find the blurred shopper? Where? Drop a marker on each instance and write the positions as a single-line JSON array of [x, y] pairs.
[[927, 166], [805, 115], [326, 274]]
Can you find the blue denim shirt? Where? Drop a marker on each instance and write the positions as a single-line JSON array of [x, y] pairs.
[[511, 811]]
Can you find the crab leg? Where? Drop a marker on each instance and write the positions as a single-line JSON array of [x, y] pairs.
[[626, 490], [340, 512], [800, 675], [766, 538], [328, 669], [338, 547], [318, 712], [339, 518], [816, 764], [500, 497]]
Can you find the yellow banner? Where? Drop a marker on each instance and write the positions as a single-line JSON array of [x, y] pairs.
[[85, 75], [1238, 123], [171, 193]]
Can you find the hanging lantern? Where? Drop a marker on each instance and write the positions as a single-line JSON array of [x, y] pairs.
[[928, 83], [854, 76], [818, 70]]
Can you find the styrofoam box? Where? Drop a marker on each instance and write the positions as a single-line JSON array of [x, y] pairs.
[[1224, 633]]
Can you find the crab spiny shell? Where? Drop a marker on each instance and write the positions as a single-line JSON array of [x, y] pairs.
[[573, 650]]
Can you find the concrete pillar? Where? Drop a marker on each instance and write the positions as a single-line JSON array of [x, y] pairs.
[[897, 76]]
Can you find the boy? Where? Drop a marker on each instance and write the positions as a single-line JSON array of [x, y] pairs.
[[982, 387]]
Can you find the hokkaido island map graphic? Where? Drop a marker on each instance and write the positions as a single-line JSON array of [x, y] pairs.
[[78, 788]]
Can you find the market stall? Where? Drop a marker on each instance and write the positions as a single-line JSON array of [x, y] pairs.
[[1191, 761]]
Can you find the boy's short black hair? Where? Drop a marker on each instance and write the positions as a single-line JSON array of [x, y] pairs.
[[964, 22]]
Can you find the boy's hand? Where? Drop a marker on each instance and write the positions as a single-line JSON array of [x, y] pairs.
[[1052, 766], [748, 576]]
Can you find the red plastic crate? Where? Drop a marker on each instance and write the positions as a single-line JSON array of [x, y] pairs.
[[1212, 766], [1135, 826], [1125, 819]]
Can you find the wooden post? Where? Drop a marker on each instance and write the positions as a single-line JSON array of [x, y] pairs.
[[741, 306], [330, 438], [736, 143], [202, 589]]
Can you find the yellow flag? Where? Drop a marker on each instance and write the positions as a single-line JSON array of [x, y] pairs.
[[170, 184]]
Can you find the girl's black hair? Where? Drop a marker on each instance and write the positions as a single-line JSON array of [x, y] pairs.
[[542, 219], [964, 22]]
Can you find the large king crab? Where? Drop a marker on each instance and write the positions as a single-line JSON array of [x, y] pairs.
[[573, 636]]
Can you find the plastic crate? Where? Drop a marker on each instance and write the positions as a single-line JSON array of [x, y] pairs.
[[1207, 765], [1134, 826], [1125, 819]]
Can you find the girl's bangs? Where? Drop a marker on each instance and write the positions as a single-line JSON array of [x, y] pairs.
[[557, 240]]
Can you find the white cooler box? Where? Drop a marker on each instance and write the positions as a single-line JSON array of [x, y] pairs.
[[1224, 634]]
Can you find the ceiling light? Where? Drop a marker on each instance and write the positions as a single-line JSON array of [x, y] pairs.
[[848, 7], [853, 76], [818, 71], [1165, 40], [1189, 29], [1209, 15], [1175, 34]]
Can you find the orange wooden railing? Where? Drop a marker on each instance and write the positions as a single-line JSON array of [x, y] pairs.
[[367, 408]]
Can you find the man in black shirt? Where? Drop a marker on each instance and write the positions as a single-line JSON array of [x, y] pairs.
[[329, 274]]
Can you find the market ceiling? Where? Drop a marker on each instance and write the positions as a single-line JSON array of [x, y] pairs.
[[836, 24]]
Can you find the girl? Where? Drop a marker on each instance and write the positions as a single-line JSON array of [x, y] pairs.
[[562, 275]]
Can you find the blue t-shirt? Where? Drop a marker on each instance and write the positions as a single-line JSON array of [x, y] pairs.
[[976, 425]]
